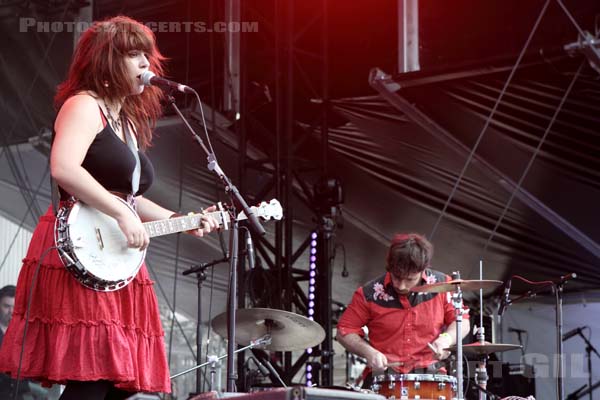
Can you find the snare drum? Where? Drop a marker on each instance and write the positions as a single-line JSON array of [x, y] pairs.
[[415, 386]]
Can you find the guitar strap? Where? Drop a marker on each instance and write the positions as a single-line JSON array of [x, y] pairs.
[[135, 178], [54, 190], [55, 195]]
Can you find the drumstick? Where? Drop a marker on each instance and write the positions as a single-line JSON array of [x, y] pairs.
[[433, 348], [395, 364]]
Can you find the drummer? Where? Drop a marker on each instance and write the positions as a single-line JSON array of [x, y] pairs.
[[407, 331]]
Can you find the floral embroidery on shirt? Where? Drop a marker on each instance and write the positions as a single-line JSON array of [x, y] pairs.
[[380, 292], [430, 279]]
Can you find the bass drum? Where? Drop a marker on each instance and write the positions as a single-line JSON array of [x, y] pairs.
[[415, 386]]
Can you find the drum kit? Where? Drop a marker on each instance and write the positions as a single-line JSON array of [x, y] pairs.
[[279, 330], [450, 387]]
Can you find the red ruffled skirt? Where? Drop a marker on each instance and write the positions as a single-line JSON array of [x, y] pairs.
[[75, 333]]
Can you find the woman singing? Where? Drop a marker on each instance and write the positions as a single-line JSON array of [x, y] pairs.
[[101, 345]]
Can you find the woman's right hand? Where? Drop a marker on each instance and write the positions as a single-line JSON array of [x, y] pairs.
[[134, 230]]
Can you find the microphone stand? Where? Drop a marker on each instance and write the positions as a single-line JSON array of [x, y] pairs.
[[520, 339], [200, 277], [582, 391], [237, 201], [589, 349], [557, 288]]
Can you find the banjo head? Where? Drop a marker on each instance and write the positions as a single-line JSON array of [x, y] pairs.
[[93, 248]]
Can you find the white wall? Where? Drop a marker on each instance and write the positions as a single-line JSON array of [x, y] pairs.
[[539, 320], [12, 256]]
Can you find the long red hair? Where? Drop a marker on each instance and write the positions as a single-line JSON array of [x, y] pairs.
[[99, 59]]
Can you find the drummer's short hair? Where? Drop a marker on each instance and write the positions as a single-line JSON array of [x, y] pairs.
[[409, 253], [7, 291]]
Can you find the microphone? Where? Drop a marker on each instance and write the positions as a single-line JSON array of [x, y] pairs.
[[573, 332], [567, 277], [504, 302], [250, 250], [149, 78], [516, 330]]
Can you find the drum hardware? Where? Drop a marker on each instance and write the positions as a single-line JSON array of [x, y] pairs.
[[215, 372], [485, 348], [457, 302], [450, 286], [456, 286], [288, 331], [263, 341], [415, 386]]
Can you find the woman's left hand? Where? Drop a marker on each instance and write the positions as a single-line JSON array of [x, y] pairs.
[[209, 224]]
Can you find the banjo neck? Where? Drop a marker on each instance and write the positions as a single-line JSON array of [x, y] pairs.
[[187, 223], [264, 211]]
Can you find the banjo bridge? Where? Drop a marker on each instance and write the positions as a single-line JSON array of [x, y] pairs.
[[99, 239]]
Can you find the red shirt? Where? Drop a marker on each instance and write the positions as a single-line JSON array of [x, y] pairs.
[[400, 326]]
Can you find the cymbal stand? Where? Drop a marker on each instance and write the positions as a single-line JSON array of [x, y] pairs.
[[457, 302], [263, 341], [200, 278], [215, 373], [481, 376]]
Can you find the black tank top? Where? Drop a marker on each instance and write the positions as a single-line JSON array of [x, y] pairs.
[[111, 163]]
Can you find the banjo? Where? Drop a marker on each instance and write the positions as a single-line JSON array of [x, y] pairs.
[[94, 250]]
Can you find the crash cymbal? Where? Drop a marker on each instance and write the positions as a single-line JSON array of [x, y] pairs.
[[479, 349], [450, 286], [289, 331]]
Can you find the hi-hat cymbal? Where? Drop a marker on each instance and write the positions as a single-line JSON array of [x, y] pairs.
[[450, 286], [289, 331], [479, 348]]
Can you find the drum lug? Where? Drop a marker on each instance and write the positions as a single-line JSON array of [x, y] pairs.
[[441, 385], [442, 398], [417, 397], [417, 385], [375, 387]]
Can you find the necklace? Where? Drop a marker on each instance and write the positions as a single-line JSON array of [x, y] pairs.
[[114, 122]]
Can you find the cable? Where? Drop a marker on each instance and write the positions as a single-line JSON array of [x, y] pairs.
[[468, 370], [535, 283], [533, 157], [489, 119], [30, 298], [209, 326], [166, 299], [177, 249], [341, 246], [570, 16], [212, 151]]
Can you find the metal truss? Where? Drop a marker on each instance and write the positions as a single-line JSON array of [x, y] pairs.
[[289, 175]]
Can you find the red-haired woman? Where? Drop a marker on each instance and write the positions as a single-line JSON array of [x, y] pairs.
[[102, 345]]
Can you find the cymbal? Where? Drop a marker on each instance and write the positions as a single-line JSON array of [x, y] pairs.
[[479, 349], [289, 331], [450, 286]]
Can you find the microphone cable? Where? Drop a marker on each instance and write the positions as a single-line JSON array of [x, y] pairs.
[[30, 298]]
